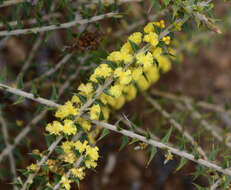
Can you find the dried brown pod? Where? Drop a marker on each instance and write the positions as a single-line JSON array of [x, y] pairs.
[[87, 41]]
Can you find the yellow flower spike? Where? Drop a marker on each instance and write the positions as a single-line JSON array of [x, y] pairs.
[[149, 27], [92, 152], [75, 99], [95, 112], [70, 158], [65, 182], [66, 146], [86, 125], [164, 64], [136, 38], [111, 101], [33, 167], [143, 84], [106, 113], [151, 38], [103, 98], [86, 89], [54, 128], [127, 48], [137, 73], [162, 24], [126, 57], [130, 92], [116, 90], [153, 74], [69, 127], [156, 52], [166, 40], [114, 56], [125, 77], [145, 60], [119, 102], [81, 147], [66, 110], [103, 70], [90, 164], [78, 172]]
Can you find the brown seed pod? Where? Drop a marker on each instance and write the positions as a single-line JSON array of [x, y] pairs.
[[87, 41]]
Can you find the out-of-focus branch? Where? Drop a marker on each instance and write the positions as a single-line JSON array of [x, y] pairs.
[[56, 27], [174, 123], [51, 71], [6, 140]]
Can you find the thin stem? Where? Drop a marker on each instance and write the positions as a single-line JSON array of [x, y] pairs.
[[163, 146], [174, 123], [28, 95], [6, 140], [56, 27], [51, 71]]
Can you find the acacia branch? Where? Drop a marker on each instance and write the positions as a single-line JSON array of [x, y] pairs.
[[163, 146], [37, 118], [174, 123], [28, 95], [56, 27]]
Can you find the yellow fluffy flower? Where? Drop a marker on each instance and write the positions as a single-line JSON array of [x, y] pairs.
[[92, 152], [151, 38], [95, 112], [149, 27], [137, 73], [66, 146], [81, 147], [65, 182], [114, 57], [116, 90], [106, 113], [127, 48], [156, 52], [145, 60], [143, 84], [78, 172], [75, 99], [69, 127], [153, 74], [66, 110], [136, 38], [130, 92], [70, 158], [86, 125], [54, 128], [125, 77], [164, 63], [103, 70], [86, 89], [126, 57], [162, 24], [90, 164], [33, 167], [119, 102]]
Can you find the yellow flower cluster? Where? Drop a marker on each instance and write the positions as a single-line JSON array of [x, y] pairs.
[[134, 67]]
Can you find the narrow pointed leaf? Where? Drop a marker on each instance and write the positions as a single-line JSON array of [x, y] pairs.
[[3, 75], [124, 142], [20, 100], [165, 139], [183, 161], [103, 134], [153, 152]]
